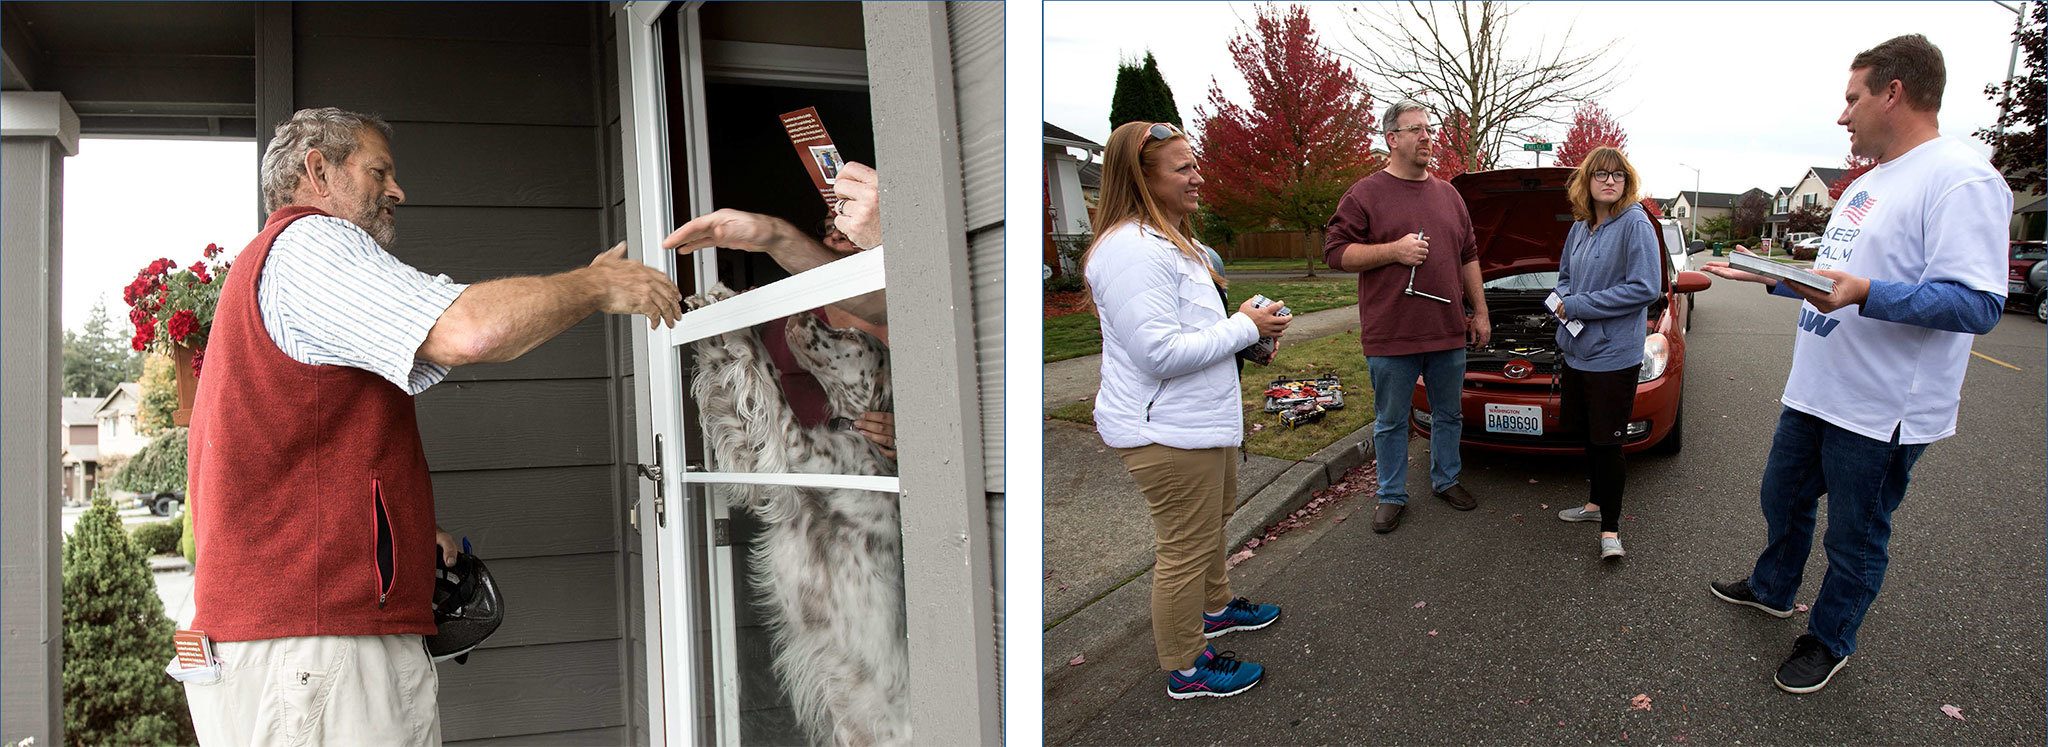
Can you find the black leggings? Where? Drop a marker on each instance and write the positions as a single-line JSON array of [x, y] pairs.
[[1597, 404]]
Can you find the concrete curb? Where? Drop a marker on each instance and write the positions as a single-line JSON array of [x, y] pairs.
[[168, 563], [1127, 609]]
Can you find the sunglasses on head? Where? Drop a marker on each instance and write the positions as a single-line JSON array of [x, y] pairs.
[[1161, 131]]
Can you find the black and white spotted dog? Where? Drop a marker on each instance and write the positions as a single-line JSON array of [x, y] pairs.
[[829, 565]]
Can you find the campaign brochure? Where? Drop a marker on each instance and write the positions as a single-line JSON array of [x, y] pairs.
[[814, 147], [1767, 268]]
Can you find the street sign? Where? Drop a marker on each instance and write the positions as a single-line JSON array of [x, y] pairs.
[[1544, 147]]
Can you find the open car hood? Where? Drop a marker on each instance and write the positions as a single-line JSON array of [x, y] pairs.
[[1519, 218]]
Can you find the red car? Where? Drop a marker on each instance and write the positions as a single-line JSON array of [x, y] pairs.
[[1519, 220], [2026, 274]]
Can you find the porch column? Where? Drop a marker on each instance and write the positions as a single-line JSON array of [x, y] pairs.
[[37, 130], [947, 579]]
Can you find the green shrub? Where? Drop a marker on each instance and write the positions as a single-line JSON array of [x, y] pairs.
[[116, 642], [1805, 252], [1068, 282], [157, 468], [159, 537]]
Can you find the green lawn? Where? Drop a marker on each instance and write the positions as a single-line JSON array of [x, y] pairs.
[[1078, 334], [1272, 264], [1337, 353]]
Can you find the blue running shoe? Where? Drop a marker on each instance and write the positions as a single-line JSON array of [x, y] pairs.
[[1240, 614], [1216, 676]]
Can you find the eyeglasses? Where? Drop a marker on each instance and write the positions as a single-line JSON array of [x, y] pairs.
[[1161, 131], [1610, 176], [1424, 130]]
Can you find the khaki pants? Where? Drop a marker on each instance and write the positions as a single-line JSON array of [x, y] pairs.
[[1191, 493], [329, 690]]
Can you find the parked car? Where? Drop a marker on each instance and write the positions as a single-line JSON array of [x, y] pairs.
[[1510, 402], [1806, 248], [2026, 272], [1793, 239], [164, 503], [1681, 255]]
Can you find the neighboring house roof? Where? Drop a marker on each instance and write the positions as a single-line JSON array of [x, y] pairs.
[[79, 410], [1828, 175], [1721, 200], [1091, 175], [1055, 135], [129, 404], [80, 453]]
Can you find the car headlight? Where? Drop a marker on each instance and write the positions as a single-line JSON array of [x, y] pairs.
[[1656, 353]]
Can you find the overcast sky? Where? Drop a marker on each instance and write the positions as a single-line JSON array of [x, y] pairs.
[[1746, 92], [128, 202]]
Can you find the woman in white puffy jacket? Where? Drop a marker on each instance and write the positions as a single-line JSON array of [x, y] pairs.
[[1170, 403]]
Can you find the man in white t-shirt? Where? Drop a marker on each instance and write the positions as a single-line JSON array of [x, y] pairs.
[[1916, 248]]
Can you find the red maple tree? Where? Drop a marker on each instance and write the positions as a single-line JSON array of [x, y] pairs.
[[1592, 127], [1284, 160], [1448, 152], [1651, 206], [1856, 165]]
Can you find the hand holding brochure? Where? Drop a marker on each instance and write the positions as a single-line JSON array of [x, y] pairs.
[[1555, 304], [1767, 268]]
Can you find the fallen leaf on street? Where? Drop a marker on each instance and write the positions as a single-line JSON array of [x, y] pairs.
[[1801, 607], [1517, 518], [1641, 702], [1238, 557], [1953, 712], [1256, 427], [1062, 587], [1532, 481], [1543, 505], [1078, 660], [1432, 634], [1420, 605]]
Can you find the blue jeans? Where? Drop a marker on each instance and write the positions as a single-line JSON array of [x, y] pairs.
[[1864, 480], [1393, 389]]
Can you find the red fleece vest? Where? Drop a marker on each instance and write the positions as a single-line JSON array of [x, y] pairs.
[[312, 509]]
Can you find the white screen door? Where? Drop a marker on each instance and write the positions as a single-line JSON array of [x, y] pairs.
[[696, 597]]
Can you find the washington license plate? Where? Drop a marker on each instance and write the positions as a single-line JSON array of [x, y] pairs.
[[1526, 420]]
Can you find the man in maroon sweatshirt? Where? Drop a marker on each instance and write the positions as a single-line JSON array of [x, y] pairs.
[[1407, 235]]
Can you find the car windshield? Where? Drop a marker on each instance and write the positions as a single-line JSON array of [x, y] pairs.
[[1527, 281]]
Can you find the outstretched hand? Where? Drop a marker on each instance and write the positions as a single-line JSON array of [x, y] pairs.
[[728, 228], [629, 287]]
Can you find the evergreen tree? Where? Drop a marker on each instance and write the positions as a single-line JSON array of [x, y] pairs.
[[116, 642], [1141, 95], [97, 358], [159, 395]]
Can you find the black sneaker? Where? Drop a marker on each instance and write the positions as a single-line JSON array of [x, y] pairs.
[[1737, 592], [1809, 667]]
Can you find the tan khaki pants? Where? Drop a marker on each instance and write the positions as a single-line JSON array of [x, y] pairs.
[[331, 690], [1191, 493]]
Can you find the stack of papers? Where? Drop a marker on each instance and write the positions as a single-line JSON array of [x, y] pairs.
[[1767, 268]]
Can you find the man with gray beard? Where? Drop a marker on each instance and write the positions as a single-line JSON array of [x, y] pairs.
[[313, 512]]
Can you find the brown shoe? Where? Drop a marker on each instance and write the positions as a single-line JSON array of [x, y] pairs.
[[1459, 498], [1387, 516]]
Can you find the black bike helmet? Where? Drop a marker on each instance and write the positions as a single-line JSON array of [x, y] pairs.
[[467, 608]]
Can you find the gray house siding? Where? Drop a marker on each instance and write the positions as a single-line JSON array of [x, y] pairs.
[[498, 115], [977, 35]]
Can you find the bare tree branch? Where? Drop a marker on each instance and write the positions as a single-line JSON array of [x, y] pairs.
[[1467, 64]]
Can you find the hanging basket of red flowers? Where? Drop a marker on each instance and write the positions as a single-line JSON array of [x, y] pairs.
[[172, 310]]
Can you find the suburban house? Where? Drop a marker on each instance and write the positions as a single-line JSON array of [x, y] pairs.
[[532, 136], [81, 446], [115, 416], [1690, 207], [1072, 185]]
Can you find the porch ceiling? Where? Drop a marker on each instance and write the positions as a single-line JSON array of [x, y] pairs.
[[148, 69]]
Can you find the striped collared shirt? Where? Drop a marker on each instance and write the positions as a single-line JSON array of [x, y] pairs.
[[330, 296]]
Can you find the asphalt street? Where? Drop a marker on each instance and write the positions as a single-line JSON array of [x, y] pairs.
[[1501, 626]]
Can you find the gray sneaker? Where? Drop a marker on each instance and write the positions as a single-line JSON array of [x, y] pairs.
[[1610, 547], [1579, 513]]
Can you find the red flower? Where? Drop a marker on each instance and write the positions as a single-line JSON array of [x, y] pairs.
[[140, 318], [144, 335], [181, 325], [198, 360], [212, 250]]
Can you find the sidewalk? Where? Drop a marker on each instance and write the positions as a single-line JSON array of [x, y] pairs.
[[1098, 533]]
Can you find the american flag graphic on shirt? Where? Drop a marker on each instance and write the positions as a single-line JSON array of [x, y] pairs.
[[1858, 207]]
